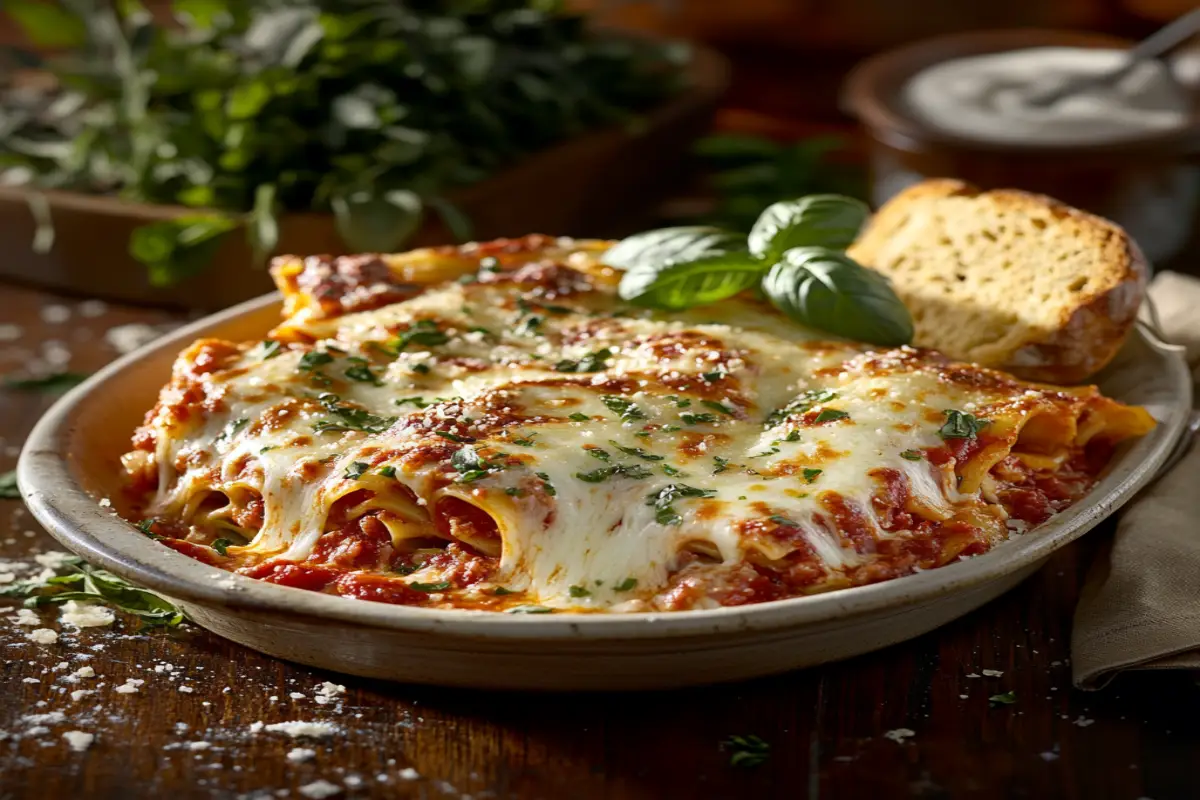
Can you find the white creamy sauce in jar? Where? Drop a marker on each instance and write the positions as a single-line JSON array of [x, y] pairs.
[[987, 98]]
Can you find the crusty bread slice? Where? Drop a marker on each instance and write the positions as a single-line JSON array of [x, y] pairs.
[[1008, 279]]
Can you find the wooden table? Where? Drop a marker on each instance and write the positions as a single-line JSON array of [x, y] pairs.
[[187, 731]]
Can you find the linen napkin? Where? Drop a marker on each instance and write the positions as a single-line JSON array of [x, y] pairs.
[[1140, 605]]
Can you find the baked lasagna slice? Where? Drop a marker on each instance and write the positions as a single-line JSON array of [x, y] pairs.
[[490, 427]]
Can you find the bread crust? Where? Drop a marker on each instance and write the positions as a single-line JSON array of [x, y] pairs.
[[1088, 334]]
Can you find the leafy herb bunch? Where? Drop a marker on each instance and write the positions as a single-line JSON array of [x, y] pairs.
[[795, 255], [373, 109]]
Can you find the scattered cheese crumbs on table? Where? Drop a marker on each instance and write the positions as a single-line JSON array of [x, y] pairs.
[[43, 636], [85, 672], [352, 781], [85, 615], [79, 740], [127, 338], [79, 694], [27, 617], [993, 673], [299, 755], [299, 728], [198, 745], [55, 314], [255, 727], [409, 774], [30, 680], [318, 790], [1083, 721], [186, 689], [972, 675], [1048, 756], [899, 734], [130, 686], [328, 692], [296, 695], [10, 333]]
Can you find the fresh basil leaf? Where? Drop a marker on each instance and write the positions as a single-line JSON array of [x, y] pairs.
[[657, 247], [829, 291], [961, 425], [372, 223], [705, 278], [818, 220]]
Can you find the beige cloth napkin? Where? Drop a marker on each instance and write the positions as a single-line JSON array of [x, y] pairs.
[[1140, 606]]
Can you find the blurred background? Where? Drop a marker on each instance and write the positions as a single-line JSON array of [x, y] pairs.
[[160, 151]]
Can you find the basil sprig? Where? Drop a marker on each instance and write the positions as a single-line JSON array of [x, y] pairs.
[[795, 253]]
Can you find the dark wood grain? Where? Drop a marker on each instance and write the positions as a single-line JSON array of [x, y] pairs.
[[826, 726]]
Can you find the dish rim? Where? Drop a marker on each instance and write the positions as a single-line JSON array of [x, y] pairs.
[[75, 518]]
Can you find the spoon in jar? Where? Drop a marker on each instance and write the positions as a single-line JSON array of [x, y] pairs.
[[1156, 45]]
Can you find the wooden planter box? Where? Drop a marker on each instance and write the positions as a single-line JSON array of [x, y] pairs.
[[595, 185]]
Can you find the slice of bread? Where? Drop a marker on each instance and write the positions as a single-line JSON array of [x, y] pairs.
[[1007, 279]]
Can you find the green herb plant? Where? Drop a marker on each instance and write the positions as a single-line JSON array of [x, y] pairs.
[[795, 255], [373, 110]]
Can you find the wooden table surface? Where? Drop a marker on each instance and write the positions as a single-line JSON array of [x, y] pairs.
[[187, 731]]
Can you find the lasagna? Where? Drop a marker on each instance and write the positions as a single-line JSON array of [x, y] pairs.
[[489, 427]]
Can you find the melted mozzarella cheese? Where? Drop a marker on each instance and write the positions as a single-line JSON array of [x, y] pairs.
[[677, 402]]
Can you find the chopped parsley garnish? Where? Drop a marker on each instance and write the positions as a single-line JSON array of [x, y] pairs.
[[530, 610], [811, 474], [220, 545], [715, 406], [578, 591], [479, 329], [770, 452], [418, 402], [360, 371], [388, 472], [420, 369], [961, 425], [488, 264], [1006, 699], [625, 408], [349, 418], [663, 499], [423, 332], [470, 466], [528, 326], [454, 437], [526, 441], [268, 448], [500, 591], [912, 455], [513, 491], [747, 751], [625, 585], [793, 435], [547, 486], [813, 397], [146, 526], [635, 471], [713, 377], [268, 349], [722, 464], [635, 451], [672, 471], [698, 419], [680, 402], [784, 521], [357, 469], [592, 362], [579, 417], [313, 360], [598, 452], [231, 429], [829, 415], [440, 586]]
